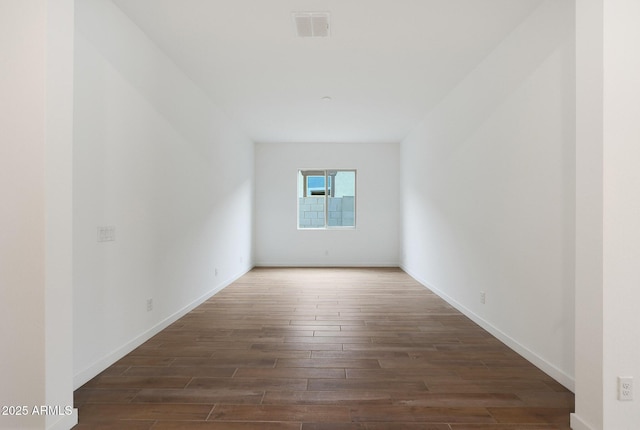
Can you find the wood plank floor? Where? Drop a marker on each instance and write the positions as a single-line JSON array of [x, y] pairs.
[[320, 349]]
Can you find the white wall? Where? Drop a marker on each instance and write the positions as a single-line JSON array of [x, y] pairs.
[[621, 209], [588, 290], [489, 192], [22, 244], [374, 242], [154, 157], [36, 75], [607, 293]]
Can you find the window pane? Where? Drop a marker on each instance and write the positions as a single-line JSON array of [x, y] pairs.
[[342, 209], [311, 202]]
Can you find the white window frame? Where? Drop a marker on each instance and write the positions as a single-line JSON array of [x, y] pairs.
[[326, 173]]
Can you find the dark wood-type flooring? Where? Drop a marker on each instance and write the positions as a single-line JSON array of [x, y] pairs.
[[318, 349]]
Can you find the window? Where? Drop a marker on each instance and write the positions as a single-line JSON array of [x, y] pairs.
[[326, 199]]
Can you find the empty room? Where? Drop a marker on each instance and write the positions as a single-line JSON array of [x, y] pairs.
[[320, 214]]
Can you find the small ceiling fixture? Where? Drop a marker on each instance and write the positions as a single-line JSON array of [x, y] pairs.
[[326, 99], [311, 24]]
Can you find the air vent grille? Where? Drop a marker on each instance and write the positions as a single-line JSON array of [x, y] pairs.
[[312, 24]]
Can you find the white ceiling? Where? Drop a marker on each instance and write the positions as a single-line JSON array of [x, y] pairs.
[[385, 65]]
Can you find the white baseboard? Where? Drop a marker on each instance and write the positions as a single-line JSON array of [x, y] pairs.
[[578, 424], [65, 422], [325, 264], [566, 380], [84, 376]]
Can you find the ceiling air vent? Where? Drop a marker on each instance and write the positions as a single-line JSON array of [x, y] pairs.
[[311, 24]]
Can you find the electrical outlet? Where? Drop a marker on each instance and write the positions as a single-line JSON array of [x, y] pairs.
[[625, 388], [149, 305], [483, 297], [106, 233]]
